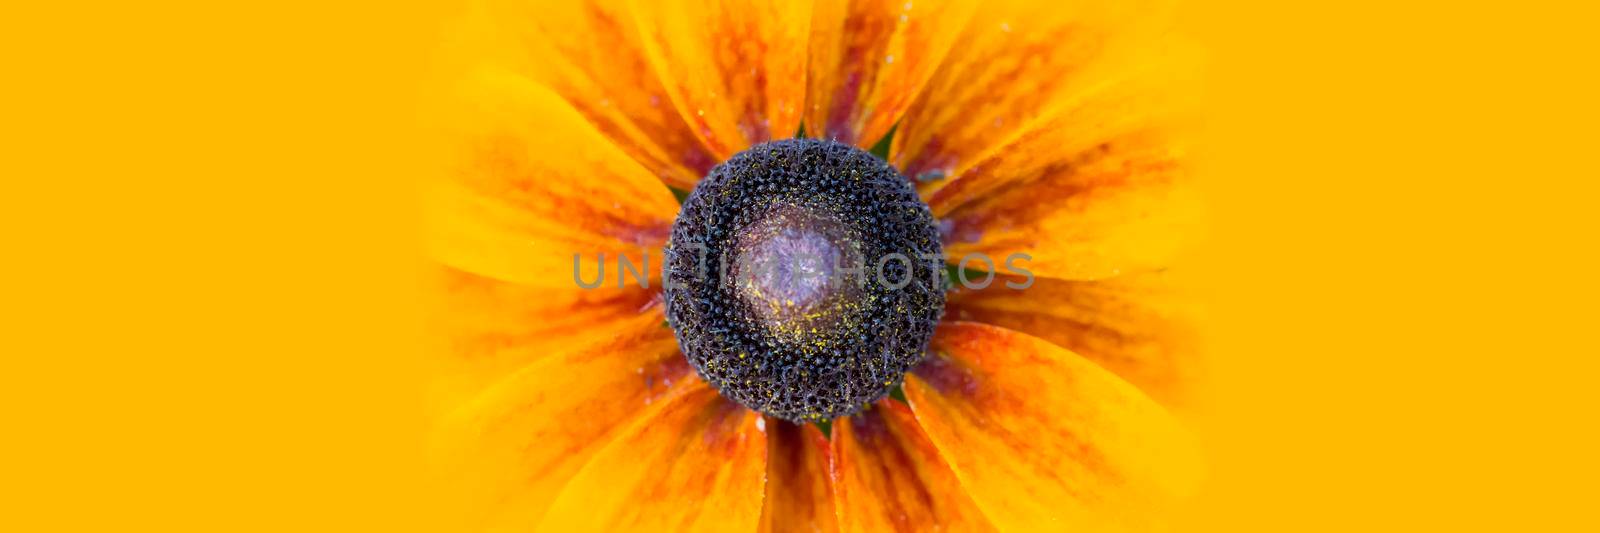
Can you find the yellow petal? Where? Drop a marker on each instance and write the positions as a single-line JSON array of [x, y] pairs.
[[698, 464], [508, 453], [1016, 62], [1139, 326], [1100, 187], [590, 53], [1090, 222], [1044, 440], [535, 186], [488, 329], [888, 477], [735, 69], [869, 58], [799, 495]]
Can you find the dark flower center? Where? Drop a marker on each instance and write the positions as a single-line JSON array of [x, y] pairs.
[[803, 278]]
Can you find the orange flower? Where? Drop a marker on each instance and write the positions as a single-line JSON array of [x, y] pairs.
[[1039, 128]]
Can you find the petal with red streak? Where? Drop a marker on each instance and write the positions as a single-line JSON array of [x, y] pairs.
[[889, 477], [1045, 440], [505, 456], [736, 70], [799, 495], [486, 329], [870, 58], [1102, 187], [1140, 326], [1018, 61], [591, 54], [698, 464], [533, 187]]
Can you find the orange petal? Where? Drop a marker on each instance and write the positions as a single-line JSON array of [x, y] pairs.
[[735, 69], [508, 453], [889, 477], [1139, 326], [591, 54], [1145, 110], [696, 465], [1099, 188], [1018, 60], [799, 496], [1045, 440], [488, 329], [868, 60], [1109, 216], [536, 186]]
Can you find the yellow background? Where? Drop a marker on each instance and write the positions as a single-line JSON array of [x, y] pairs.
[[210, 314]]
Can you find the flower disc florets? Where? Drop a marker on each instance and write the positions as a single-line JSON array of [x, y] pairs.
[[804, 278]]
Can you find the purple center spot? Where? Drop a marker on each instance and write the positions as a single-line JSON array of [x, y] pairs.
[[790, 269]]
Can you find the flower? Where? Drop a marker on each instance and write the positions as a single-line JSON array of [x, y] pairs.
[[1052, 132]]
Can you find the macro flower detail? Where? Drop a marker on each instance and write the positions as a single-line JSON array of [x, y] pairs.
[[836, 289], [813, 266]]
